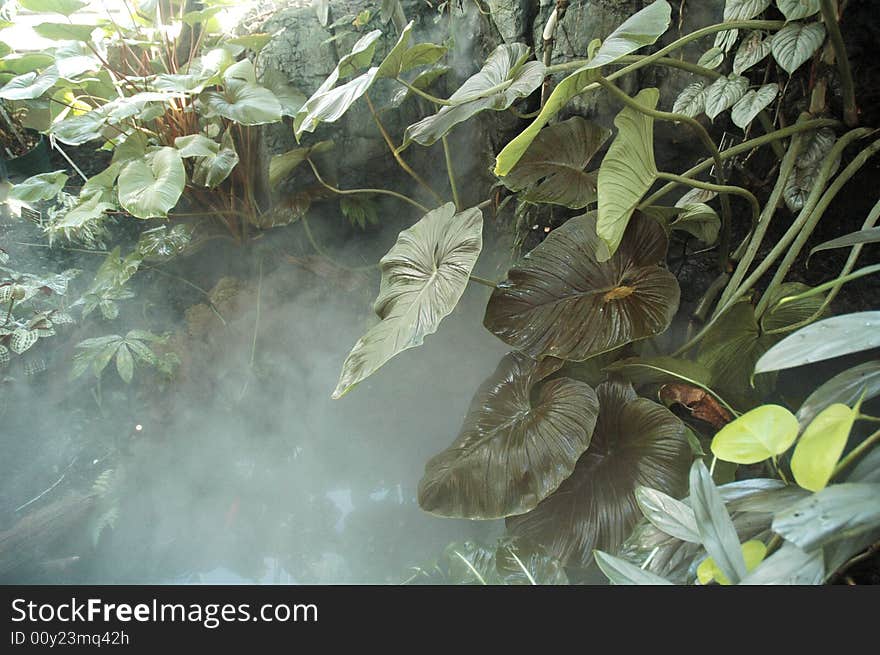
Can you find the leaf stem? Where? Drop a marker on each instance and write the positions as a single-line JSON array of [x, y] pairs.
[[850, 111], [483, 281], [718, 188], [855, 453], [451, 173], [348, 192], [425, 94]]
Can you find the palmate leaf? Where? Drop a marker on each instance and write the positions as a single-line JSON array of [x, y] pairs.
[[505, 77], [636, 443], [152, 186], [554, 164], [561, 301], [519, 441], [795, 43], [423, 277], [627, 171], [752, 104]]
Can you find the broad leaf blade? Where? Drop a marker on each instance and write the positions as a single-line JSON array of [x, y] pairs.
[[795, 43], [669, 515], [759, 434], [846, 388], [641, 29], [752, 104], [821, 445], [151, 187]]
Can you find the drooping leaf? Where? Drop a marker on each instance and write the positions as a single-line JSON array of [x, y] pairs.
[[280, 166], [795, 43], [871, 235], [697, 219], [753, 553], [836, 512], [846, 388], [152, 186], [43, 186], [560, 301], [196, 145], [423, 276], [717, 531], [211, 170], [725, 92], [759, 434], [512, 451], [641, 29], [692, 100], [636, 442], [621, 572], [290, 98], [627, 171], [797, 9], [29, 85], [329, 106], [554, 165], [505, 77], [672, 516], [753, 50], [711, 59], [831, 337], [752, 104], [821, 446]]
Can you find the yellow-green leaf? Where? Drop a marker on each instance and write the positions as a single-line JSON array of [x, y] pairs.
[[821, 446], [764, 432], [753, 553]]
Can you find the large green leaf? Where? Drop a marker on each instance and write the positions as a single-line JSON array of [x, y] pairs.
[[329, 106], [836, 512], [795, 43], [653, 370], [505, 77], [846, 387], [561, 301], [821, 446], [43, 186], [786, 306], [764, 432], [152, 186], [29, 85], [641, 29], [636, 442], [423, 276], [718, 534], [832, 337], [752, 104], [243, 102], [620, 572], [554, 164], [519, 441], [627, 171]]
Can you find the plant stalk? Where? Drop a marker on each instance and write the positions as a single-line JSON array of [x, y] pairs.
[[850, 110]]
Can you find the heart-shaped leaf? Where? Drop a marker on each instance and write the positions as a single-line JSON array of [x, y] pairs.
[[832, 337], [423, 276], [796, 9], [243, 102], [753, 49], [627, 171], [554, 164], [636, 442], [43, 186], [518, 443], [29, 85], [795, 43], [290, 98], [752, 104], [692, 100], [505, 77], [152, 186], [560, 301], [724, 92], [738, 10], [821, 446], [846, 387], [759, 434], [641, 29]]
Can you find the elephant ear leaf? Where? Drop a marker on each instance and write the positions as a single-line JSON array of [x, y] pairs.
[[151, 187], [554, 164], [627, 171], [641, 29], [560, 301], [636, 443], [423, 277], [518, 443]]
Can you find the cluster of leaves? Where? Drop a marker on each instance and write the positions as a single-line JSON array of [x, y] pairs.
[[95, 354]]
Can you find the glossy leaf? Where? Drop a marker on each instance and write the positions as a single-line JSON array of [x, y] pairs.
[[329, 106], [846, 388], [43, 186], [641, 29], [836, 512], [519, 441], [759, 434], [423, 276], [560, 301], [554, 164], [505, 77], [669, 515], [795, 43], [788, 566], [692, 100], [796, 9], [753, 553], [717, 532], [821, 445], [725, 92], [753, 50], [832, 337], [152, 186], [621, 572], [627, 171], [243, 102], [752, 104], [636, 442]]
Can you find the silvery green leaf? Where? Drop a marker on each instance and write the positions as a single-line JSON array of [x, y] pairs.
[[692, 100], [846, 387], [30, 85], [724, 93], [797, 9], [788, 566], [711, 59], [744, 9], [621, 572], [641, 29], [329, 106], [753, 49], [752, 104], [795, 43], [43, 186], [669, 515], [21, 340]]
